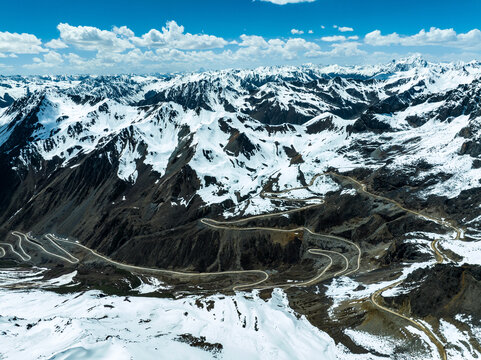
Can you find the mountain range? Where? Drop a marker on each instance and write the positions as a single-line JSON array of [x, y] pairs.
[[387, 155]]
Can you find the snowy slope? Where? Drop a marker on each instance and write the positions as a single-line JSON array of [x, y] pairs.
[[86, 326]]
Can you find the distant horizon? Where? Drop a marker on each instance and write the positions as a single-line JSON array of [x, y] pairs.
[[246, 68]]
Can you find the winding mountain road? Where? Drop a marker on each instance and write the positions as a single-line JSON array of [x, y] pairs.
[[230, 226], [26, 237], [362, 187], [214, 224], [224, 225], [25, 256], [374, 296], [235, 225], [419, 325], [169, 272], [440, 257], [13, 251]]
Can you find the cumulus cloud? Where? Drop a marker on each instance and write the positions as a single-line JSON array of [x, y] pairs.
[[375, 38], [344, 28], [52, 57], [338, 38], [284, 2], [123, 31], [347, 49], [340, 50], [251, 50], [49, 60], [253, 41], [171, 48], [300, 45], [11, 55], [334, 38], [15, 43], [435, 36], [56, 44], [122, 38], [75, 59], [92, 38], [173, 36], [256, 46]]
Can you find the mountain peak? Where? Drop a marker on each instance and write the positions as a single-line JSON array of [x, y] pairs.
[[414, 59]]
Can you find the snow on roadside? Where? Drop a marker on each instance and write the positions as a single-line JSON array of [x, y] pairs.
[[347, 289], [469, 250], [381, 345], [458, 340]]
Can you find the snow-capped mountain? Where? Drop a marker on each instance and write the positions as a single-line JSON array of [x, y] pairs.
[[129, 165], [249, 124]]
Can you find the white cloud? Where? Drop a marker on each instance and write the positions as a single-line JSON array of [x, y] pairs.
[[345, 29], [11, 55], [435, 36], [338, 38], [284, 2], [92, 38], [334, 38], [253, 46], [173, 36], [251, 51], [74, 59], [53, 57], [375, 38], [123, 31], [122, 38], [253, 41], [20, 43], [347, 49], [340, 50], [300, 45], [56, 44], [171, 48], [323, 27], [49, 60]]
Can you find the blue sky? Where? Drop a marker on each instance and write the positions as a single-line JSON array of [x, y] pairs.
[[164, 36]]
